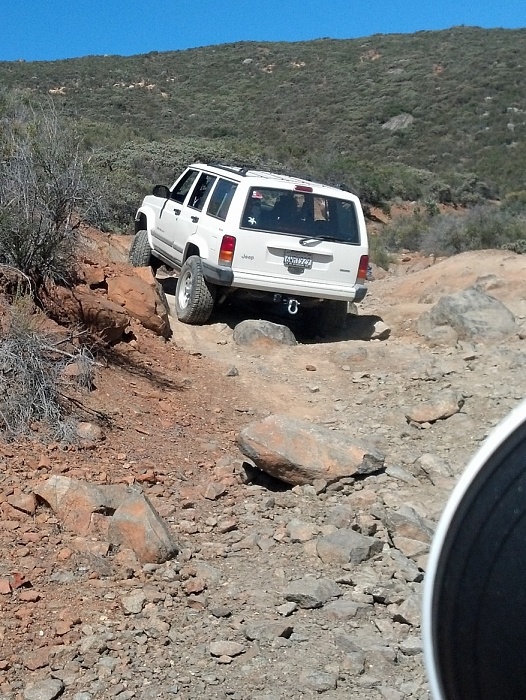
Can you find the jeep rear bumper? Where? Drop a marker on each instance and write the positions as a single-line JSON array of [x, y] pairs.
[[293, 287], [361, 291]]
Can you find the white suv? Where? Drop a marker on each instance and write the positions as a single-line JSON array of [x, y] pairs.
[[231, 230]]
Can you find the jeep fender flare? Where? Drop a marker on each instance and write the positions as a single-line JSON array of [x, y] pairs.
[[145, 221], [197, 245]]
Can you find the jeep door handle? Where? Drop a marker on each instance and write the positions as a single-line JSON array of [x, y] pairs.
[[195, 219], [177, 211]]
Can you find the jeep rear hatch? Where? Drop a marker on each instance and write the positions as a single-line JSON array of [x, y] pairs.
[[306, 239]]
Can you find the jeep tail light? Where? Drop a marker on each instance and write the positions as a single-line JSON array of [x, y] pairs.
[[226, 252], [362, 269]]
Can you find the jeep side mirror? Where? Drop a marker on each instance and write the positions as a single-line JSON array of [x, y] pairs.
[[161, 191]]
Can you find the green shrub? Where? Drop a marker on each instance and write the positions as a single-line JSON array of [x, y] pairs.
[[378, 253], [406, 232], [483, 227], [516, 246]]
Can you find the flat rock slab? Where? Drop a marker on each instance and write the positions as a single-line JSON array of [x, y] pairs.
[[443, 406], [298, 452], [48, 689], [312, 592], [267, 631], [347, 546]]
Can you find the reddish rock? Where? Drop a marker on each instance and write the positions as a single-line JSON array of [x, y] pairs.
[[132, 521], [74, 501], [62, 627], [299, 452], [25, 502], [93, 309], [213, 490], [140, 295], [10, 513], [5, 586], [36, 659], [193, 586], [137, 525], [64, 554], [94, 276]]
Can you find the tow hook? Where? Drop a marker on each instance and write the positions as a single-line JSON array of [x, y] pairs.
[[292, 307]]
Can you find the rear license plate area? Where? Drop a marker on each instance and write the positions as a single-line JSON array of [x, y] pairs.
[[294, 259]]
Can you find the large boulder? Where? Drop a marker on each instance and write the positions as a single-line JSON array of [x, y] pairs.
[[263, 334], [472, 314], [140, 294], [299, 452]]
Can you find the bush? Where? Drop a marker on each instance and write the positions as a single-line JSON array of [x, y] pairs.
[[378, 253], [32, 379], [406, 232], [44, 189], [480, 228]]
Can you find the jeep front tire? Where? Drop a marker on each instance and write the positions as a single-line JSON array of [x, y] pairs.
[[194, 296], [141, 253]]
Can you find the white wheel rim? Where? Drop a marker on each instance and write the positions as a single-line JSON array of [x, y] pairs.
[[185, 290]]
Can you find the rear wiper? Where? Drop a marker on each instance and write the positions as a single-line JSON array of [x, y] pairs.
[[313, 239]]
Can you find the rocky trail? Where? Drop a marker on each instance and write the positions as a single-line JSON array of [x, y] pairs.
[[278, 590]]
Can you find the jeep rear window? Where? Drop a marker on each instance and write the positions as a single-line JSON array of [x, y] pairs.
[[221, 199], [301, 213]]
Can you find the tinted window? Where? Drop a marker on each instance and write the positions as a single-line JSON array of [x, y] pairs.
[[221, 199], [182, 188], [302, 213], [201, 191]]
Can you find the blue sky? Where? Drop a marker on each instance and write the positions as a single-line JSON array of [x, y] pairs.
[[44, 30]]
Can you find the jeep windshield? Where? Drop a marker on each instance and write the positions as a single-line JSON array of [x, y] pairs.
[[312, 216]]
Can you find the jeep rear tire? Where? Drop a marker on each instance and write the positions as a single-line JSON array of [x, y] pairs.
[[194, 296], [141, 253], [326, 319]]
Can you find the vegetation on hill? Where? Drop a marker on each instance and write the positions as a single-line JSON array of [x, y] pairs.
[[383, 112], [432, 117]]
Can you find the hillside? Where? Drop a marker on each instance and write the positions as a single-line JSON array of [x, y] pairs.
[[451, 102]]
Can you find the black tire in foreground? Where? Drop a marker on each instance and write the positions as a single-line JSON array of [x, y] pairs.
[[474, 604], [194, 296], [141, 253]]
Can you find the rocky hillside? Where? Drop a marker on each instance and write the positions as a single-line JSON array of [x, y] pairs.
[[444, 101], [226, 582]]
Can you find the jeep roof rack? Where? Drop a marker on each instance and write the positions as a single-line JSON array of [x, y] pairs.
[[237, 169]]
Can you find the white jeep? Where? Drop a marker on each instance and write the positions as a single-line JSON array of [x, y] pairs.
[[231, 230]]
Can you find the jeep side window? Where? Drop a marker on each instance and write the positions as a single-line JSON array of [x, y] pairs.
[[182, 188], [201, 191], [221, 199]]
